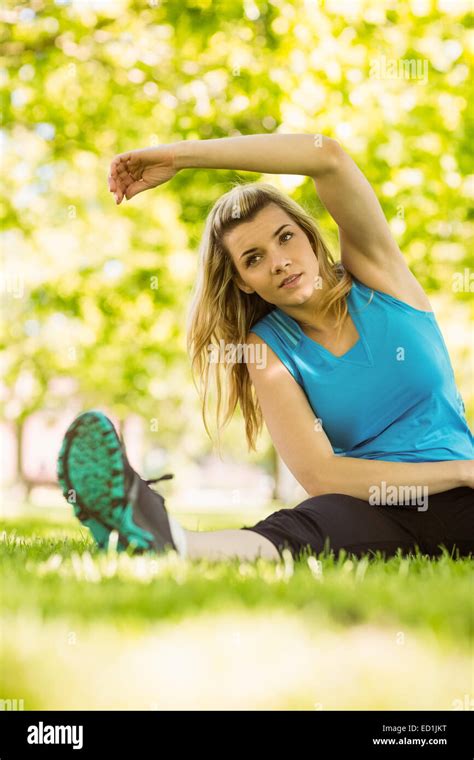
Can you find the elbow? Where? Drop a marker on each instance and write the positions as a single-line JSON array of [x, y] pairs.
[[323, 483], [332, 152], [316, 489]]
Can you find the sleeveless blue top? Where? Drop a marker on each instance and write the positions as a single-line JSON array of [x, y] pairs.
[[393, 395]]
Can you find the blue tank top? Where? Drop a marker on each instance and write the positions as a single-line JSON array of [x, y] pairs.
[[393, 395]]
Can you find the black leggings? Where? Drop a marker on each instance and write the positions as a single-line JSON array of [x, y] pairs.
[[335, 521]]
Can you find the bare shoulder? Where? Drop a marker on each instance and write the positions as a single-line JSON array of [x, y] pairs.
[[263, 363], [254, 338], [391, 276], [271, 359]]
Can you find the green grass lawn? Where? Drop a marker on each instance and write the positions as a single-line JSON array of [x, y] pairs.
[[83, 629]]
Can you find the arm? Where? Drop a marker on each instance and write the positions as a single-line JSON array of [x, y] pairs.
[[312, 155], [307, 452], [368, 249], [354, 477], [138, 170]]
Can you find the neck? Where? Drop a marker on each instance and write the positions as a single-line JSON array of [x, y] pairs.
[[307, 314]]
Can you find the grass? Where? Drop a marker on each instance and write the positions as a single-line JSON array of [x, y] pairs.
[[85, 629]]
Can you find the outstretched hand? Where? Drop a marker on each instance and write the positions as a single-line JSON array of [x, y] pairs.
[[138, 170]]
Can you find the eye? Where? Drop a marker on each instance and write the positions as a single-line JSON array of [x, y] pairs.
[[250, 259]]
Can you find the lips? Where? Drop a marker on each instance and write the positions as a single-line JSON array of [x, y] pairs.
[[290, 278]]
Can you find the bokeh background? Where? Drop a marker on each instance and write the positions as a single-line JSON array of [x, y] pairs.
[[94, 299], [95, 296]]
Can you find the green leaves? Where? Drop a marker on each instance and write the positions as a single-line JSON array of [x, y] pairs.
[[82, 85]]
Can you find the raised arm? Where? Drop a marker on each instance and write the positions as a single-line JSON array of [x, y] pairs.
[[368, 248], [307, 452], [138, 170], [312, 155]]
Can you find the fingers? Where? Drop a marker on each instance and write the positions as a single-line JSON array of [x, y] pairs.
[[112, 179], [124, 177], [134, 188], [115, 188], [128, 188], [121, 158], [120, 178]]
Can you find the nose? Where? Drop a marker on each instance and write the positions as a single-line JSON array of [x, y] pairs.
[[279, 263]]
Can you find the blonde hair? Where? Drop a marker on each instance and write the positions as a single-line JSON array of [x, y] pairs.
[[221, 311]]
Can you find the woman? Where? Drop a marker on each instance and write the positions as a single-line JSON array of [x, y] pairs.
[[344, 361]]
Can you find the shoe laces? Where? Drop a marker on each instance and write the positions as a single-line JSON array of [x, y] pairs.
[[83, 513], [168, 476]]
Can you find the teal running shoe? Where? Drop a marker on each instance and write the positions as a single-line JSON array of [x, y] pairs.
[[106, 493]]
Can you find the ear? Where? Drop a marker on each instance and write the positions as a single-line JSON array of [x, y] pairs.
[[241, 285]]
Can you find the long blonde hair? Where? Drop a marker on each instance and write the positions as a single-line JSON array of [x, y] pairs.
[[221, 311]]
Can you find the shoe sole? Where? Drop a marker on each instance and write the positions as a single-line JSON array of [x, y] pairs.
[[92, 478]]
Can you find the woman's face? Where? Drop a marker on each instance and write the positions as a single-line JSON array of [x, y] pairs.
[[267, 250]]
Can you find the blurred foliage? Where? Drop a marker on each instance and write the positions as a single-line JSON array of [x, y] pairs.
[[98, 293]]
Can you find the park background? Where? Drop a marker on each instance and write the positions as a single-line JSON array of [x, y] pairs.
[[95, 296]]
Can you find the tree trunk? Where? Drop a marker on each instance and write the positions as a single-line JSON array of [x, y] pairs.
[[19, 450], [286, 489]]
